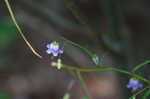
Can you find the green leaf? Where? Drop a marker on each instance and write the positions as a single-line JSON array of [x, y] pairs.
[[146, 94], [6, 32], [4, 95], [7, 35]]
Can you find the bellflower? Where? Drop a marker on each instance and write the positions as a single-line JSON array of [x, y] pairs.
[[54, 48], [134, 84]]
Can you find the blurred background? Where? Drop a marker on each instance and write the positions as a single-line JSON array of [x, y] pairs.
[[117, 28]]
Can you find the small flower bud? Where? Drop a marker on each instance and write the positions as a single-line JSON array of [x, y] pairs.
[[95, 59], [59, 64]]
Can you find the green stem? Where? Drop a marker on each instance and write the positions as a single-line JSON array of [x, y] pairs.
[[84, 84], [141, 91], [105, 69], [76, 12], [19, 29], [141, 65], [146, 94], [77, 45]]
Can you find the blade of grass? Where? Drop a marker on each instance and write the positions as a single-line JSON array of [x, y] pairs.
[[19, 29], [81, 18], [146, 94], [84, 85], [142, 90], [79, 46], [141, 65]]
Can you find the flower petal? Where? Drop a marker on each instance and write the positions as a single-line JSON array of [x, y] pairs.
[[140, 85], [61, 51], [128, 86], [48, 45], [134, 88], [54, 48], [48, 51], [55, 53]]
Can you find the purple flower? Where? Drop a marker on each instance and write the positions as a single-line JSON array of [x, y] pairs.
[[54, 48], [134, 84]]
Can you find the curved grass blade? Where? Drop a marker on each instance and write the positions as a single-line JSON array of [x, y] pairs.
[[141, 65], [19, 29], [79, 46], [146, 94], [84, 85]]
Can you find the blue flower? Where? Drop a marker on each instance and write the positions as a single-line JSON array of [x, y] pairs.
[[134, 84], [54, 48]]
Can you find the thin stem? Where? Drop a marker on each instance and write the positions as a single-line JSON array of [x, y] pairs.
[[84, 84], [19, 29], [77, 45], [141, 91], [99, 40], [146, 94], [141, 65], [105, 69]]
